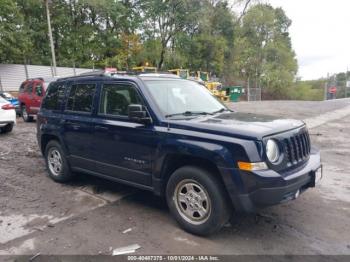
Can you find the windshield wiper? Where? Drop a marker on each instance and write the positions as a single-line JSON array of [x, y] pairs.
[[221, 110], [189, 113]]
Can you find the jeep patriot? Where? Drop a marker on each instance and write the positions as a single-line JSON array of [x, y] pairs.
[[161, 133]]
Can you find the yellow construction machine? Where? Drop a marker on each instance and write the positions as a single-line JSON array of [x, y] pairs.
[[183, 73], [145, 69], [213, 86]]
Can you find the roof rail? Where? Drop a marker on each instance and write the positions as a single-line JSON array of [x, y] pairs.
[[93, 73], [103, 73], [158, 74]]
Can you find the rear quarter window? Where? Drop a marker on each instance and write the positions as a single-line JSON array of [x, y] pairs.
[[54, 96]]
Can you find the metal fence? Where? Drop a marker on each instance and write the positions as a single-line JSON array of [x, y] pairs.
[[12, 75], [254, 94]]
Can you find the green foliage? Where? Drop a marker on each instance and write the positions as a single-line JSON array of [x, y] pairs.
[[13, 35], [195, 34], [307, 90], [263, 52]]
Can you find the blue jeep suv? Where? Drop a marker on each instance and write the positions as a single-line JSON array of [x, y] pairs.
[[171, 136]]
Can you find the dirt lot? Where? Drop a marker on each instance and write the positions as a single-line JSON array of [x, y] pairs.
[[90, 215]]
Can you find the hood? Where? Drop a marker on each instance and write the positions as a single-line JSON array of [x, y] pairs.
[[243, 125]]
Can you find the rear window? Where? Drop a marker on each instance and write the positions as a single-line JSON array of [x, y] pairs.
[[2, 100], [29, 88], [81, 97], [6, 95], [54, 96], [21, 88]]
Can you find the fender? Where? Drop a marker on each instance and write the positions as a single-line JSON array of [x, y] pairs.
[[222, 151], [51, 128]]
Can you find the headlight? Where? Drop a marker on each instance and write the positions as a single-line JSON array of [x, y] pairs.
[[272, 151]]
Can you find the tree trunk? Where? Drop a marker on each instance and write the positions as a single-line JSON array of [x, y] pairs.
[[161, 60]]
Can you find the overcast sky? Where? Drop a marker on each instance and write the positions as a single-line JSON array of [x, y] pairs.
[[320, 35]]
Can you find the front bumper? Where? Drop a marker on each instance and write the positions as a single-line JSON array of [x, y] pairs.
[[265, 188], [4, 123]]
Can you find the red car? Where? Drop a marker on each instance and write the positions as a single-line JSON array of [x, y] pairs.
[[31, 93]]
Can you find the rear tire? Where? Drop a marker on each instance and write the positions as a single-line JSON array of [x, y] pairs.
[[56, 163], [6, 129], [197, 200], [26, 117]]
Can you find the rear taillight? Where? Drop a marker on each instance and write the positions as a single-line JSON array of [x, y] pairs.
[[8, 107]]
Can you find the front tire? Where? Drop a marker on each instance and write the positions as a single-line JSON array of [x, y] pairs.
[[56, 163], [197, 200], [6, 129], [26, 117]]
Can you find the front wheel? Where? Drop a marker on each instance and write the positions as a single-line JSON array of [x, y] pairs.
[[197, 200], [8, 128], [26, 117]]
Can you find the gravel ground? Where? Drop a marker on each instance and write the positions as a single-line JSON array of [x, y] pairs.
[[89, 216]]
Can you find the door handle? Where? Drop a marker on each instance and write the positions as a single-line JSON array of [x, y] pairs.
[[101, 128], [76, 127], [73, 125]]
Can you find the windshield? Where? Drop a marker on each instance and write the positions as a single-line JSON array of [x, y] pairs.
[[6, 95], [182, 97], [3, 101]]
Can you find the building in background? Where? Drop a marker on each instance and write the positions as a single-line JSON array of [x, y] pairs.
[[12, 75]]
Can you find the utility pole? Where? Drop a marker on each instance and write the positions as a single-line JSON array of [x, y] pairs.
[[50, 37], [1, 88], [346, 82], [326, 87], [248, 87]]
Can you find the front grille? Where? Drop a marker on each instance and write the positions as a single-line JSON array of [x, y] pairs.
[[297, 148]]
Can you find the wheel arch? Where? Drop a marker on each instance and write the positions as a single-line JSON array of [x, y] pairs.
[[45, 139], [173, 162]]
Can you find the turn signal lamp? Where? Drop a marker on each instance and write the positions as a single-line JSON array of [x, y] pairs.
[[247, 166]]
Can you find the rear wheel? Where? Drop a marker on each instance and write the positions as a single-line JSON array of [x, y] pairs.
[[26, 117], [7, 128], [197, 200], [56, 163]]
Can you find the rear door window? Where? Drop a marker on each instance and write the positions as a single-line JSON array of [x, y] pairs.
[[54, 96], [81, 98]]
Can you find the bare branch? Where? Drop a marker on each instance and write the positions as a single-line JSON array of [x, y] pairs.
[[246, 5]]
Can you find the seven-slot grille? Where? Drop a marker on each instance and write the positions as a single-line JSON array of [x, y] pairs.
[[297, 148]]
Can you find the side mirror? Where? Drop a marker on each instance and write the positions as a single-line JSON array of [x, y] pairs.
[[138, 114]]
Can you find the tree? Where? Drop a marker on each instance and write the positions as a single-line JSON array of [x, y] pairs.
[[207, 45], [263, 50], [164, 19], [195, 34], [13, 38]]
